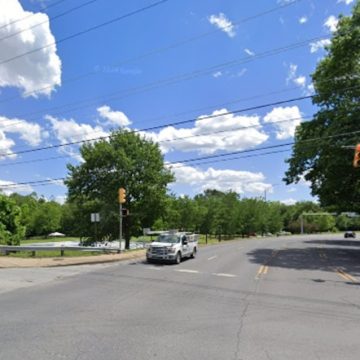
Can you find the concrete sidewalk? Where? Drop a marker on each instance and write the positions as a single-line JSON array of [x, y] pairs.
[[13, 262]]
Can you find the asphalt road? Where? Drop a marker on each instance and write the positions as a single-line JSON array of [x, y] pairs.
[[281, 298]]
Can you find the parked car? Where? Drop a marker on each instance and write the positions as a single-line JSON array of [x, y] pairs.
[[349, 234]]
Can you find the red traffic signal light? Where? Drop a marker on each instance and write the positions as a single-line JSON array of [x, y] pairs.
[[122, 195], [356, 162]]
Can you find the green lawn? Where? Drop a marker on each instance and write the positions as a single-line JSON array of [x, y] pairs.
[[42, 240], [53, 253]]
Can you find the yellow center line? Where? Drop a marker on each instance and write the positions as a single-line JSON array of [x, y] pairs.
[[346, 276], [266, 269], [260, 271]]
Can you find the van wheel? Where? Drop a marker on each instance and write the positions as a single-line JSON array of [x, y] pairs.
[[193, 255], [178, 258]]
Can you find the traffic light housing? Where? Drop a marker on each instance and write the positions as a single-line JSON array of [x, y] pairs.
[[357, 156], [122, 196], [124, 212]]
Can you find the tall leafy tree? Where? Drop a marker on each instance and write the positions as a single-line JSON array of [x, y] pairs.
[[11, 230], [125, 160], [326, 162]]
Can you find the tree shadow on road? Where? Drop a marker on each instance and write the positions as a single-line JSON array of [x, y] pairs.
[[310, 258]]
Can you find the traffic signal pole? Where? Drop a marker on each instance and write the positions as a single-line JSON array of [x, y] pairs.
[[122, 200], [120, 227]]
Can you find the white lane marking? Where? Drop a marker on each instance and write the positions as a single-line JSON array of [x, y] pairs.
[[212, 257], [224, 275], [188, 271], [154, 268]]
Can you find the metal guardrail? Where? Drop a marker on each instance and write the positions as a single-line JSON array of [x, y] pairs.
[[6, 250]]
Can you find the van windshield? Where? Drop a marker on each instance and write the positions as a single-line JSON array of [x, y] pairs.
[[166, 238]]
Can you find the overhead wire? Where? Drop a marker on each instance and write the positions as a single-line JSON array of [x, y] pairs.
[[66, 12], [166, 82], [90, 29], [152, 128], [172, 140], [32, 14], [166, 48], [190, 160], [157, 127]]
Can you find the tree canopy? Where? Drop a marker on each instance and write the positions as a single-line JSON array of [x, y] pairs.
[[11, 230], [125, 160], [321, 153]]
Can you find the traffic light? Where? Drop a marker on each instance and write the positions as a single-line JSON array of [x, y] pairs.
[[357, 156], [124, 212], [122, 195]]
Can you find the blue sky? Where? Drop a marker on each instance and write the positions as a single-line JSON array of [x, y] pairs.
[[159, 66]]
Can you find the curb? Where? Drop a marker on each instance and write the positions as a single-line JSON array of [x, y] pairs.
[[76, 261]]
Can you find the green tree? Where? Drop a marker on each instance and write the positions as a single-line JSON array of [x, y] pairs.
[[325, 162], [47, 218], [11, 230], [125, 160]]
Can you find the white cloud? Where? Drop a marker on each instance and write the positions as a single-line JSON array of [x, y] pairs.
[[241, 73], [310, 89], [331, 23], [223, 23], [5, 146], [30, 133], [289, 201], [249, 52], [284, 129], [201, 137], [303, 20], [38, 70], [347, 2], [21, 189], [319, 45], [223, 180], [117, 118], [217, 74], [68, 130], [291, 190], [298, 80], [61, 199]]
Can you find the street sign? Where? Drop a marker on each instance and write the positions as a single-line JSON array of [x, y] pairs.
[[95, 217], [146, 231]]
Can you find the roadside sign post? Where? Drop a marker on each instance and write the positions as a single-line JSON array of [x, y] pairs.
[[95, 218]]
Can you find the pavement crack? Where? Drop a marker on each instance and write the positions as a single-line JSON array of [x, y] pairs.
[[238, 334]]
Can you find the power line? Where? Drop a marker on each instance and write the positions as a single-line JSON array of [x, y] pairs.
[[92, 28], [3, 125], [265, 147], [47, 181], [170, 124], [185, 161], [164, 125], [160, 50], [169, 81], [35, 160], [67, 12], [234, 158], [169, 140], [32, 14]]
